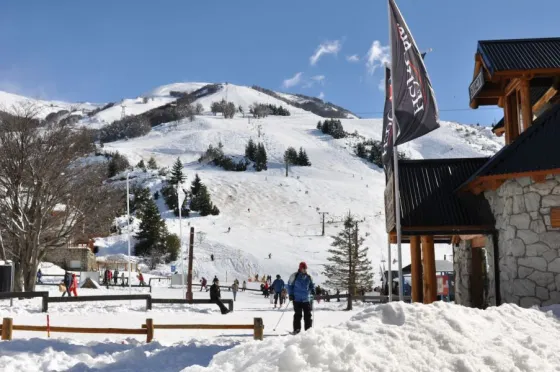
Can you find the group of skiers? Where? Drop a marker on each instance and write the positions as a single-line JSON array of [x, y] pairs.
[[113, 276], [275, 291], [69, 285]]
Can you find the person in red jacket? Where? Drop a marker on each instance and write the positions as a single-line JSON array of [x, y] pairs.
[[74, 285]]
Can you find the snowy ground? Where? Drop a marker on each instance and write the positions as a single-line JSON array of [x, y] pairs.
[[395, 337]]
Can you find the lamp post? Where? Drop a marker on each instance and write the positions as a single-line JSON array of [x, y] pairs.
[[128, 230], [180, 206]]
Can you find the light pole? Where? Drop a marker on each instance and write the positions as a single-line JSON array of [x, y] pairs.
[[180, 206], [128, 231]]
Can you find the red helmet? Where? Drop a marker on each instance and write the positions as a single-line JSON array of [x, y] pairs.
[[303, 265]]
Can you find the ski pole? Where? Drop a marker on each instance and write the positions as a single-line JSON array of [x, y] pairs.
[[281, 316]]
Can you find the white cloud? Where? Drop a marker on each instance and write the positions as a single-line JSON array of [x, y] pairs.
[[377, 56], [321, 95], [328, 47], [381, 85], [353, 58], [293, 81], [317, 79]]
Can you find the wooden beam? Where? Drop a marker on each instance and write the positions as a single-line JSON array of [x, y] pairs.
[[479, 242], [539, 178], [429, 269], [487, 182], [555, 217], [532, 72], [477, 287], [526, 108], [544, 99], [416, 269], [512, 86]]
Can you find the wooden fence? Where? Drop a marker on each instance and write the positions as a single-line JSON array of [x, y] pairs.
[[147, 329]]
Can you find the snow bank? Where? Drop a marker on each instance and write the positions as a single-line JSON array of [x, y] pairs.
[[400, 337]]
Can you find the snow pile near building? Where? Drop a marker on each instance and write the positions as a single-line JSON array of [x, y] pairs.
[[415, 338]]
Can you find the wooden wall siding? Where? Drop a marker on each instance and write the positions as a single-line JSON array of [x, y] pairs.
[[555, 217]]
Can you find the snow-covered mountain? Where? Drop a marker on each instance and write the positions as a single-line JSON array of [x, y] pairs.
[[269, 213]]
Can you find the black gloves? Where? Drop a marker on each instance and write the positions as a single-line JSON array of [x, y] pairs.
[[291, 297]]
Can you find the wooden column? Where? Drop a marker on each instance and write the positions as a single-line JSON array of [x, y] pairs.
[[416, 269], [477, 286], [429, 269], [7, 329], [507, 120], [258, 328], [149, 330], [526, 109]]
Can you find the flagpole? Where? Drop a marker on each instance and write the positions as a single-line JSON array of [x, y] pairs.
[[390, 272], [396, 168]]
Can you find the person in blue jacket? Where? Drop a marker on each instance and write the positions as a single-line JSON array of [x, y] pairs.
[[300, 286], [278, 286]]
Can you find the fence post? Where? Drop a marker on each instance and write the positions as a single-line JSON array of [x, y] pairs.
[[46, 302], [150, 330], [149, 302], [258, 329], [7, 328]]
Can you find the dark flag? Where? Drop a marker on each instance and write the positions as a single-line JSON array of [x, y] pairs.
[[387, 135], [416, 110]]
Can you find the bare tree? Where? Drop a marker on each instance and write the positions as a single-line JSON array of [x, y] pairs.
[[47, 190]]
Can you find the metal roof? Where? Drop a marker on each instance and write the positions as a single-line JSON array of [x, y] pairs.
[[428, 197], [521, 54], [536, 149]]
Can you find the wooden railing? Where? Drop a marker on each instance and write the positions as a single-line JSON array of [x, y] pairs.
[[147, 329]]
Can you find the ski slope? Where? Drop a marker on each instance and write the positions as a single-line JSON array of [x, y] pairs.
[[10, 102], [272, 214]]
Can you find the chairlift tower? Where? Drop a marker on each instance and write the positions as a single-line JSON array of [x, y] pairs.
[[123, 110]]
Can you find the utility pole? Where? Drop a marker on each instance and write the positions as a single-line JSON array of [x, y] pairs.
[[189, 275], [323, 213], [123, 111]]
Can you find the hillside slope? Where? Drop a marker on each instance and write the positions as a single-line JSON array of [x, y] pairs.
[[271, 214]]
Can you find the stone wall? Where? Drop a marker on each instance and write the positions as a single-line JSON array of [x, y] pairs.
[[462, 265], [529, 259], [490, 299], [62, 257]]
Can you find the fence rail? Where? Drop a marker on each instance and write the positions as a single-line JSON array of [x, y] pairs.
[[147, 329]]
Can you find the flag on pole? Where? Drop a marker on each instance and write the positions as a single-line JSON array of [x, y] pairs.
[[416, 109], [387, 135]]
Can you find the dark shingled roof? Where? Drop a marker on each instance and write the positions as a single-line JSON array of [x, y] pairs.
[[536, 149], [522, 54], [428, 197]]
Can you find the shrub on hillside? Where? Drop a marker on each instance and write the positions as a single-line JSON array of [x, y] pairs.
[[129, 127], [117, 164], [333, 127]]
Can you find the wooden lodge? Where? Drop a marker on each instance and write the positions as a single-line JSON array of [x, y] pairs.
[[501, 214]]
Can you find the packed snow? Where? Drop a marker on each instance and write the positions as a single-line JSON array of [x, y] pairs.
[[10, 102]]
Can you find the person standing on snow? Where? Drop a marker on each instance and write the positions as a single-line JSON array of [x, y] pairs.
[[67, 283], [244, 286], [116, 276], [39, 276], [215, 296], [203, 283], [278, 286], [74, 285], [300, 286], [234, 289]]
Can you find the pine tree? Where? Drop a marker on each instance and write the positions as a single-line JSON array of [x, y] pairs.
[[141, 165], [291, 156], [152, 229], [302, 158], [201, 201], [319, 125], [196, 184], [261, 158], [348, 266], [251, 150], [152, 163], [177, 176], [361, 150], [173, 247], [142, 196]]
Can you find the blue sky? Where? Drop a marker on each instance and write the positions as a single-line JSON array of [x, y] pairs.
[[103, 50]]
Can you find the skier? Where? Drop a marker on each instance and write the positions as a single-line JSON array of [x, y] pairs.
[[74, 285], [234, 289], [300, 286], [141, 279], [278, 286], [116, 276], [215, 296], [212, 257], [244, 286], [256, 277], [266, 290], [337, 295], [229, 229], [270, 256], [318, 292], [283, 296], [203, 283], [215, 280], [39, 276], [67, 282], [122, 279]]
